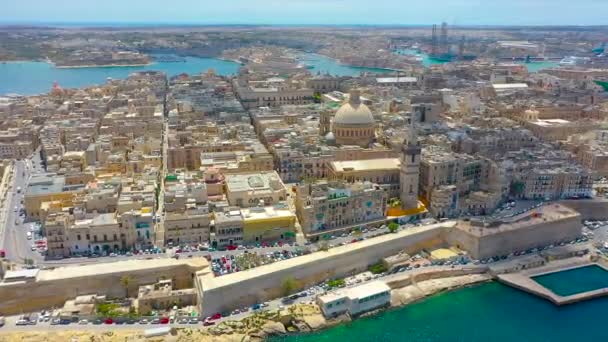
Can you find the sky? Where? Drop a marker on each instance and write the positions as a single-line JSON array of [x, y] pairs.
[[293, 12]]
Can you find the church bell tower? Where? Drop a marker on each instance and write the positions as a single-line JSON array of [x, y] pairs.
[[410, 168]]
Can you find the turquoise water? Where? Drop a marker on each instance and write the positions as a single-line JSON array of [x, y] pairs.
[[537, 66], [28, 78], [428, 61], [323, 64], [483, 313], [578, 280]]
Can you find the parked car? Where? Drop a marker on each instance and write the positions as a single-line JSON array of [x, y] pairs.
[[214, 317]]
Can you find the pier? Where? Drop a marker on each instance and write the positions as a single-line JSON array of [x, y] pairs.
[[524, 281]]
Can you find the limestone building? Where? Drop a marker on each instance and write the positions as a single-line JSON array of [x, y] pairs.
[[410, 169], [354, 123], [329, 206]]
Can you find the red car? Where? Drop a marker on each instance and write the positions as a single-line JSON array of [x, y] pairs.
[[231, 247], [214, 317], [109, 321], [164, 320]]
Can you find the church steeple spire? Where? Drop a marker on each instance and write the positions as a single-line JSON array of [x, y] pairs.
[[410, 167]]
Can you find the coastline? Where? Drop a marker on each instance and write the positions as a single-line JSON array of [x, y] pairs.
[[338, 61], [100, 66], [297, 319]]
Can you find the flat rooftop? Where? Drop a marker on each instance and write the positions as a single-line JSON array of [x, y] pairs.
[[45, 185], [261, 181], [396, 80], [269, 212], [366, 165], [356, 292], [510, 86]]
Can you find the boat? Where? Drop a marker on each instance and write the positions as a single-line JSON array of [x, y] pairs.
[[573, 60], [442, 57]]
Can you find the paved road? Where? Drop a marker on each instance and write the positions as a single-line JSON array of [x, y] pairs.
[[10, 326], [15, 241]]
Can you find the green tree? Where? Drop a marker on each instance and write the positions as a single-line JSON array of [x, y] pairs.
[[125, 281], [289, 285], [378, 268], [393, 227], [336, 283]]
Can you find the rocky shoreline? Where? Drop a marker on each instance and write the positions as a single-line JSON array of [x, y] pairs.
[[296, 319]]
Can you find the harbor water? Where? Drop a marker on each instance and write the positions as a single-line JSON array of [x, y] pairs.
[[482, 313], [428, 61], [30, 78]]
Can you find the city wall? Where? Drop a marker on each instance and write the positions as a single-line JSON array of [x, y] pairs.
[[263, 283], [52, 288], [504, 242], [590, 209]]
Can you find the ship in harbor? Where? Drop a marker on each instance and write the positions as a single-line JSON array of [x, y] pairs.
[[440, 47]]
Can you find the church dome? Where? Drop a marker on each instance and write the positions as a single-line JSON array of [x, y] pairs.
[[354, 113]]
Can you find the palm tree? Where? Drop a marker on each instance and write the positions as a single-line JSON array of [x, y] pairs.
[[125, 281]]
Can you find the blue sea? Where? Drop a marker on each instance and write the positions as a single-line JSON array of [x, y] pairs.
[[489, 312]]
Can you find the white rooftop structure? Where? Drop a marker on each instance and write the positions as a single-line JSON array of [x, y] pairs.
[[398, 79], [21, 274], [509, 86], [355, 300]]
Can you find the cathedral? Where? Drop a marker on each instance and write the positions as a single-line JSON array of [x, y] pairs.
[[353, 123]]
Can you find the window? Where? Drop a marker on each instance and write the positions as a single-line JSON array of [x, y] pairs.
[[78, 237]]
